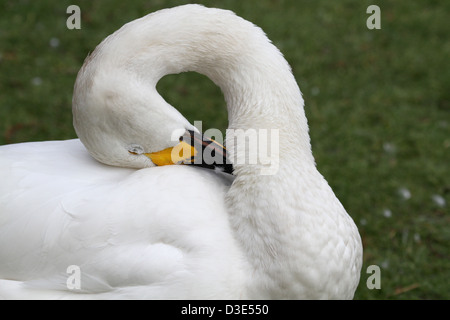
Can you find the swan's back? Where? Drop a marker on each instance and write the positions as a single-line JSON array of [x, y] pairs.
[[153, 233]]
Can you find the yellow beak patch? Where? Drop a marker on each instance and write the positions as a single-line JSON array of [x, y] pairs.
[[193, 149], [181, 153]]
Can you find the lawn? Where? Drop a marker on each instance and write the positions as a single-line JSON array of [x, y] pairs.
[[377, 101]]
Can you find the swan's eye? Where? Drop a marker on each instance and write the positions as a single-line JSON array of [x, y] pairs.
[[135, 149]]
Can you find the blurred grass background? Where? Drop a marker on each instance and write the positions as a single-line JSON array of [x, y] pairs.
[[378, 104]]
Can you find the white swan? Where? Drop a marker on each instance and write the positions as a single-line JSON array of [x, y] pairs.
[[72, 227]]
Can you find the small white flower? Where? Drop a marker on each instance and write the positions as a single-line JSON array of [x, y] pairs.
[[405, 193], [389, 148], [54, 42], [36, 81], [387, 213], [439, 200]]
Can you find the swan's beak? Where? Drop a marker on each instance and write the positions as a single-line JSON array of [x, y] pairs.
[[194, 149]]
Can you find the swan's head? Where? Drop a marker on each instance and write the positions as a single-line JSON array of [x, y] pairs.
[[119, 122], [122, 122]]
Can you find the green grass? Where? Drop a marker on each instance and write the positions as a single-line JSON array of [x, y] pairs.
[[378, 104]]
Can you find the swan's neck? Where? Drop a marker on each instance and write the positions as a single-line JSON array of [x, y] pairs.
[[257, 83]]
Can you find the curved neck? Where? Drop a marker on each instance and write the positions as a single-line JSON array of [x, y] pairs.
[[257, 82]]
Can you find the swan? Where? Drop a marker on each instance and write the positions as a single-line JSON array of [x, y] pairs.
[[95, 218]]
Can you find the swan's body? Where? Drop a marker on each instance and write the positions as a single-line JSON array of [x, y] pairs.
[[174, 231]]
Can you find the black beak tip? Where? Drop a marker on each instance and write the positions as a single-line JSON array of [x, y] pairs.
[[212, 155]]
